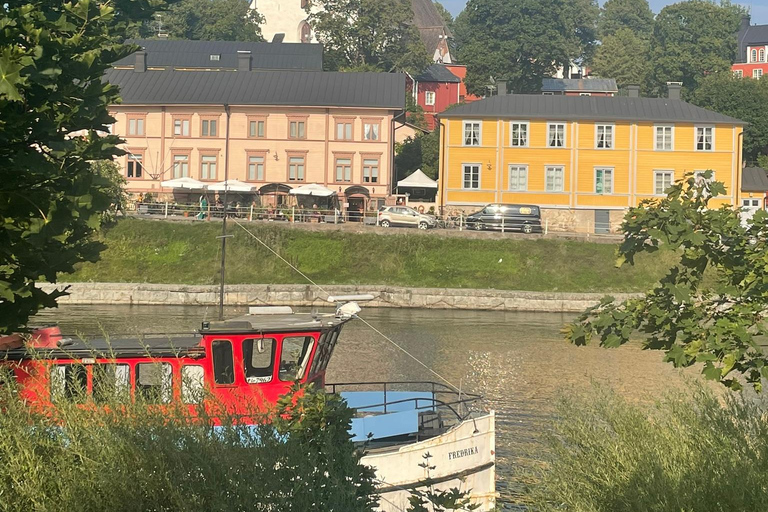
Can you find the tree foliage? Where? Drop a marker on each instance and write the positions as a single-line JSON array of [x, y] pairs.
[[209, 20], [421, 152], [52, 59], [742, 98], [368, 35], [634, 15], [523, 41], [693, 39], [711, 306], [623, 56]]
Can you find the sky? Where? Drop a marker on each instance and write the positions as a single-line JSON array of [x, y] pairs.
[[758, 8]]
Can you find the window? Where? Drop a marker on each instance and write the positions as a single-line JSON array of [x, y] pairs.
[[519, 134], [738, 73], [255, 168], [223, 362], [180, 166], [472, 133], [370, 170], [603, 180], [305, 31], [215, 57], [518, 178], [604, 136], [297, 130], [111, 382], [134, 167], [294, 357], [753, 53], [429, 98], [548, 93], [761, 55], [69, 382], [554, 178], [664, 138], [700, 179], [259, 359], [208, 128], [585, 94], [662, 180], [208, 167], [257, 129], [192, 384], [135, 126], [556, 135], [181, 127], [705, 136], [757, 74], [154, 382], [343, 169], [371, 131], [296, 168], [344, 130], [471, 176]]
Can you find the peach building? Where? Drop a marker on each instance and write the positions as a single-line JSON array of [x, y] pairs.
[[276, 129]]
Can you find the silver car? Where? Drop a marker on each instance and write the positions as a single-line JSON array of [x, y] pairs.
[[405, 216]]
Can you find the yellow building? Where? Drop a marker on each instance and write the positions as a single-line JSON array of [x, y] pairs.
[[583, 160]]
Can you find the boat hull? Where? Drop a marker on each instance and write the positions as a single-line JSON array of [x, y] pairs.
[[464, 457]]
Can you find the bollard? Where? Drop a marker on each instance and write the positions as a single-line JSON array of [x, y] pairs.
[[166, 210], [293, 214], [546, 227], [250, 215]]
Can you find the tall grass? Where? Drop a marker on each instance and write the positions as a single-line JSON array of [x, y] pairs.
[[188, 253], [685, 453], [136, 457]]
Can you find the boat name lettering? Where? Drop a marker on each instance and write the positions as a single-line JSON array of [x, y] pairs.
[[462, 453]]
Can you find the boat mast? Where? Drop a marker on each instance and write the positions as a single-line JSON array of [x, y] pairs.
[[224, 220]]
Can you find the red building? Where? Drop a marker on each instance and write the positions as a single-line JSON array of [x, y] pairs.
[[752, 60], [438, 87]]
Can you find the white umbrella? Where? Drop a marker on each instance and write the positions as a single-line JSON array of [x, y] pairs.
[[312, 189], [189, 183], [231, 186]]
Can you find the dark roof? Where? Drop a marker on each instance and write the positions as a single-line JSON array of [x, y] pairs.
[[296, 88], [197, 54], [750, 35], [599, 108], [438, 73], [754, 179], [585, 85], [170, 345]]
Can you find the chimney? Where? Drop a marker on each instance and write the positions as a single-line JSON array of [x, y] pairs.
[[140, 66], [243, 60], [633, 91], [673, 90], [745, 22], [501, 87], [278, 38]]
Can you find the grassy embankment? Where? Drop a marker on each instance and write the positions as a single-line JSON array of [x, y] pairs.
[[172, 252]]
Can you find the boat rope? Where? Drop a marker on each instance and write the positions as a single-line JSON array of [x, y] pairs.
[[377, 331]]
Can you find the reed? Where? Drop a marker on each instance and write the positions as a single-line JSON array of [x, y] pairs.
[[688, 452]]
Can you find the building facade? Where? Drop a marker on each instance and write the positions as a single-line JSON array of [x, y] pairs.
[[437, 88], [274, 129], [583, 160], [752, 59]]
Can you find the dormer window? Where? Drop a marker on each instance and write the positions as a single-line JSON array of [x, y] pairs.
[[215, 57], [753, 55], [761, 55]]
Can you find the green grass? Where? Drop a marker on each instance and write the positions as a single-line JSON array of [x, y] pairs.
[[172, 252]]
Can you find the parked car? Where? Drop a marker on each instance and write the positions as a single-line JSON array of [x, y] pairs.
[[405, 216], [512, 217]]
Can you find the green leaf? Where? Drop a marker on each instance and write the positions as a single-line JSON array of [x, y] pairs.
[[9, 76]]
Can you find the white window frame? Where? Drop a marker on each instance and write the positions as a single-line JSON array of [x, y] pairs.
[[585, 94], [656, 140], [527, 126], [696, 138], [761, 55], [659, 172], [479, 134], [517, 167], [429, 98], [181, 127], [554, 168], [371, 131], [479, 176], [738, 73], [753, 55], [565, 134], [757, 73], [609, 191], [611, 142]]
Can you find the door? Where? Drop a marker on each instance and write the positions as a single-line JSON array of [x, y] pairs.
[[748, 209], [602, 221]]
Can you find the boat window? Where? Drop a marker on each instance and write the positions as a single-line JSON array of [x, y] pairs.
[[322, 348], [154, 382], [111, 382], [192, 384], [294, 357], [331, 345], [69, 382], [258, 359], [223, 362]]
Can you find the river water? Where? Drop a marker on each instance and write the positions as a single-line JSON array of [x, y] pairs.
[[518, 361]]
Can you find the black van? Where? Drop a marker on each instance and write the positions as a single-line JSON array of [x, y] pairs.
[[512, 217]]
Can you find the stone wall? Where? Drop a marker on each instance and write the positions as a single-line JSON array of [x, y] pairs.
[[305, 295]]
